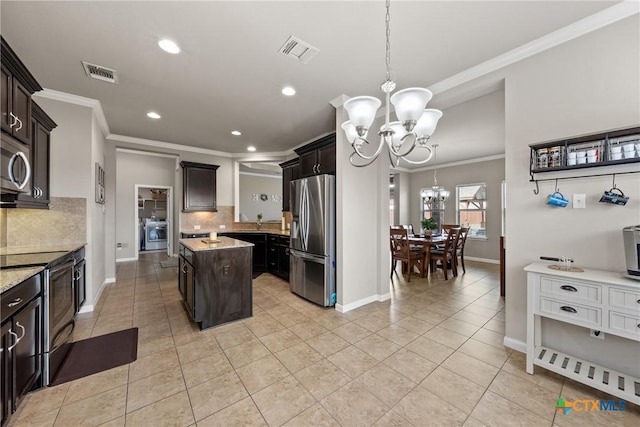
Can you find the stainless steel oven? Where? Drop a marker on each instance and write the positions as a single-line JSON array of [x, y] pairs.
[[59, 311], [155, 235], [15, 170], [58, 303]]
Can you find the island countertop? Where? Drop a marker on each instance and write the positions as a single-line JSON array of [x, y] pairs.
[[199, 244], [11, 277]]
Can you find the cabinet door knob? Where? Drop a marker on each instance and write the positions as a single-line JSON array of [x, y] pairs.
[[568, 309], [568, 288]]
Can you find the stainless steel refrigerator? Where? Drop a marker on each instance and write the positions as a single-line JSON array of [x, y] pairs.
[[312, 272]]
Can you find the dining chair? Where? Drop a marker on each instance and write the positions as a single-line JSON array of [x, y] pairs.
[[462, 239], [445, 253], [409, 256], [447, 227]]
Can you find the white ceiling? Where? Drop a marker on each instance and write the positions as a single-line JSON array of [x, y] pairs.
[[230, 73]]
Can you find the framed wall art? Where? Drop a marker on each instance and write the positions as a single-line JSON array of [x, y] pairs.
[[99, 184]]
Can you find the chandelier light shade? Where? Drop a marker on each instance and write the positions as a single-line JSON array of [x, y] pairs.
[[434, 197], [409, 134]]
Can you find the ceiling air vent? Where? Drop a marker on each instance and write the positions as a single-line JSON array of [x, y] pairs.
[[299, 50], [99, 72]]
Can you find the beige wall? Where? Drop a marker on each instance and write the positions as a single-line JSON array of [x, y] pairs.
[[263, 184], [132, 170], [587, 85], [489, 172], [77, 144]]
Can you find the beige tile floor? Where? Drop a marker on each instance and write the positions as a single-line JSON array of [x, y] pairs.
[[432, 355]]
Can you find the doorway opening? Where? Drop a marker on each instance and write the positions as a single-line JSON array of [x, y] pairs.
[[154, 218]]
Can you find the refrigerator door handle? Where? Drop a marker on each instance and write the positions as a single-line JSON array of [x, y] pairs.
[[305, 255]]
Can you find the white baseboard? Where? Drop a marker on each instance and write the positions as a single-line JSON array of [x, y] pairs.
[[485, 260], [87, 308], [110, 280], [126, 259], [515, 344], [364, 301]]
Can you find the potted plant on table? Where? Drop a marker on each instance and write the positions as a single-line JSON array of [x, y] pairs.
[[259, 221], [428, 225]]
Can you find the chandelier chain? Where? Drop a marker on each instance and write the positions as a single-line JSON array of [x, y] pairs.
[[387, 20]]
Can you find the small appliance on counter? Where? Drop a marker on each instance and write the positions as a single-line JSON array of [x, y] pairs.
[[631, 239]]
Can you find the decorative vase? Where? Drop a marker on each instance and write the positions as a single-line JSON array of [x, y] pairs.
[[427, 232], [258, 224]]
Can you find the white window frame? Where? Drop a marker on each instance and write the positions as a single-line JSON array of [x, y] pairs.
[[472, 232]]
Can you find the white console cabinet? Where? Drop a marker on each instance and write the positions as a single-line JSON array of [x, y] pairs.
[[594, 299]]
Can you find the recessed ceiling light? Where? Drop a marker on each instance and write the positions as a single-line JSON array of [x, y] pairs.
[[169, 46], [288, 91], [251, 148], [153, 115], [236, 132]]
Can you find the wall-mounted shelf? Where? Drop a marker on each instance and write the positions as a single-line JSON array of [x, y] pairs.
[[613, 148]]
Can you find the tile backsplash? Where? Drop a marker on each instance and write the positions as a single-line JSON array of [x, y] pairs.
[[64, 223], [207, 220]]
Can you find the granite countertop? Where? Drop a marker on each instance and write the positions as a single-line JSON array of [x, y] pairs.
[[197, 244], [207, 231], [11, 277], [70, 247]]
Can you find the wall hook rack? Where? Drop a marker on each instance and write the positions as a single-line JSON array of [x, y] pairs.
[[536, 190]]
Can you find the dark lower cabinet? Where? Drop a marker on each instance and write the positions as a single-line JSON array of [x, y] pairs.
[[79, 279], [278, 256], [259, 250], [216, 287], [20, 343]]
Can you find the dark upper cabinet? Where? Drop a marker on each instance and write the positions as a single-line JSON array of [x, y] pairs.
[[199, 187], [18, 84], [318, 157], [39, 157], [290, 171]]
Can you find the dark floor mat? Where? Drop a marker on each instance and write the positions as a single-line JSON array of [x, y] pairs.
[[173, 262], [97, 354]]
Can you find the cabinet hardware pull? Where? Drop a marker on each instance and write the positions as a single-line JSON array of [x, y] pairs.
[[568, 309], [15, 120], [20, 121], [20, 154], [184, 268], [14, 302], [17, 338], [11, 347], [568, 288], [318, 168]]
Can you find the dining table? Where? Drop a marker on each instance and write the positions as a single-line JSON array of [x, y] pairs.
[[426, 240]]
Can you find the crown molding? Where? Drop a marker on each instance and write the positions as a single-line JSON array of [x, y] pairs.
[[94, 104], [448, 165], [166, 145], [146, 153], [572, 31]]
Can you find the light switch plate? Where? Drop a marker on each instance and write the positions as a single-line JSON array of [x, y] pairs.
[[196, 227], [579, 201]]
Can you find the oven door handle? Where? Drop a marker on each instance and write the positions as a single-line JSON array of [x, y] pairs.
[[66, 265]]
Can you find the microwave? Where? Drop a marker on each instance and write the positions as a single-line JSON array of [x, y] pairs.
[[631, 238], [15, 172]]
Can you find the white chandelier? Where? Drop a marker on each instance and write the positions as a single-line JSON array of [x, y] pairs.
[[410, 133]]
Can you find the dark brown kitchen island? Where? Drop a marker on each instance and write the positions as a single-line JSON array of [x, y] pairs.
[[215, 279]]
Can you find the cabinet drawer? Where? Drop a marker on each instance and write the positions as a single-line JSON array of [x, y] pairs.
[[284, 240], [625, 324], [570, 312], [624, 298], [570, 291], [19, 296], [272, 239]]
